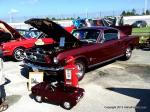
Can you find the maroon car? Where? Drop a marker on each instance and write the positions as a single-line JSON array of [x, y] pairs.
[[67, 97], [90, 46]]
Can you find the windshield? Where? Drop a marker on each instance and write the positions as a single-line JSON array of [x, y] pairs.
[[29, 33], [33, 34], [87, 35]]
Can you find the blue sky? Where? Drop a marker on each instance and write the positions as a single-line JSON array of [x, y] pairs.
[[58, 7]]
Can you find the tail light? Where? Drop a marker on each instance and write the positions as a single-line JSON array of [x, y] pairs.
[[47, 59]]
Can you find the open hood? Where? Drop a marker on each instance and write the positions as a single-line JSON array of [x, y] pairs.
[[14, 33], [53, 30]]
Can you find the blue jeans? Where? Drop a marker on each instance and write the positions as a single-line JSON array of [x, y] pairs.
[[2, 93]]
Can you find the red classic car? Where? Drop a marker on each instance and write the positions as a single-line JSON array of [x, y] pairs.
[[67, 97], [90, 46], [13, 44]]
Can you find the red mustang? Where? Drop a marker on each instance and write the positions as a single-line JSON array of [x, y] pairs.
[[13, 44], [90, 46]]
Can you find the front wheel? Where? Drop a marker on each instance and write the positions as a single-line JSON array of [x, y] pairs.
[[38, 99], [19, 54], [81, 69], [128, 53]]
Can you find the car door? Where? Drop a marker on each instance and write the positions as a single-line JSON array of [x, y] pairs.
[[92, 49], [107, 48], [50, 93], [111, 44]]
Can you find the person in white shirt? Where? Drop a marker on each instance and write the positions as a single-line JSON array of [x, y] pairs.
[[88, 24]]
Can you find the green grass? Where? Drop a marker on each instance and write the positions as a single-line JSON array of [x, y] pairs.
[[140, 30]]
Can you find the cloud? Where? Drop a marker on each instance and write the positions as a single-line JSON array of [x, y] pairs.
[[13, 11]]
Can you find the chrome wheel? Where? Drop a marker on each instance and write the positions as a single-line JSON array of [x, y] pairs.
[[19, 54], [38, 99], [67, 105], [128, 52], [81, 69]]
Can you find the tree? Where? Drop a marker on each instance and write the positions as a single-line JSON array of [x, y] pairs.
[[133, 12], [129, 13], [147, 12], [123, 13], [78, 17], [53, 18]]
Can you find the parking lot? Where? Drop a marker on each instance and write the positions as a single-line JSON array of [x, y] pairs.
[[118, 86]]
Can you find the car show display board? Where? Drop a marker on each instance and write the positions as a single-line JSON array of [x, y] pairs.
[[35, 78]]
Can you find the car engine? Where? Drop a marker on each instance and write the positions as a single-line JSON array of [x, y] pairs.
[[42, 53]]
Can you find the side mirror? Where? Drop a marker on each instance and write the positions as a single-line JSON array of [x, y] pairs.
[[1, 53]]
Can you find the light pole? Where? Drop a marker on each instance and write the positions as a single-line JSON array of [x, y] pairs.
[[145, 9], [11, 13], [10, 17]]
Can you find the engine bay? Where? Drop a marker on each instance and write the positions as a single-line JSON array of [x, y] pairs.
[[46, 49], [42, 53]]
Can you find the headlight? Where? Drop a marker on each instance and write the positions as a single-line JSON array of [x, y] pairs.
[[55, 60]]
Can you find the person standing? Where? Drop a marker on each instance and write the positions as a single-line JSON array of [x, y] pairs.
[[2, 79], [88, 24], [3, 105], [77, 23]]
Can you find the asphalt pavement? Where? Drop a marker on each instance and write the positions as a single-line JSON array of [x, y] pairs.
[[117, 86]]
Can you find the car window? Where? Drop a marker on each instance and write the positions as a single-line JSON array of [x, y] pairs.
[[88, 35], [33, 33], [110, 35], [22, 32]]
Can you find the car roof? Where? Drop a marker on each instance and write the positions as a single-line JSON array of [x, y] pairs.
[[21, 29], [140, 21], [97, 28]]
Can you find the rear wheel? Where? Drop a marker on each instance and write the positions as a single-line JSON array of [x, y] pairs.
[[81, 69], [128, 53], [66, 105], [19, 54]]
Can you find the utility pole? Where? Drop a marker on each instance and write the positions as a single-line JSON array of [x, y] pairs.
[[87, 13], [100, 14], [10, 17], [145, 9]]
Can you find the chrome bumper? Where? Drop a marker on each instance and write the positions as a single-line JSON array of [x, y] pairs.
[[44, 68]]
